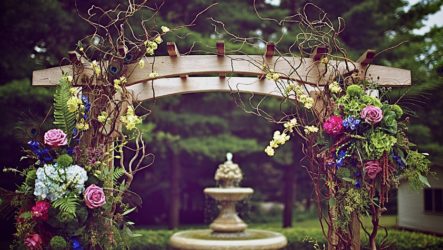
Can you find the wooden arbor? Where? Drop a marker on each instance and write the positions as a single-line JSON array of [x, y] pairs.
[[239, 73]]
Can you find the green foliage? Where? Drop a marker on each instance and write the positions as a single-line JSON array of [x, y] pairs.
[[64, 160], [63, 119], [354, 91], [379, 143], [67, 206], [58, 243], [31, 175], [417, 167]]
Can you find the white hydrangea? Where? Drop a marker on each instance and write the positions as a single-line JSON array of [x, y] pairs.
[[53, 182]]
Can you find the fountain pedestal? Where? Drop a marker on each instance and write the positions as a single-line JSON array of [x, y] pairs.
[[228, 231]]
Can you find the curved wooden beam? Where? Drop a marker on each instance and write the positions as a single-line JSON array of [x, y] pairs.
[[171, 86], [303, 70]]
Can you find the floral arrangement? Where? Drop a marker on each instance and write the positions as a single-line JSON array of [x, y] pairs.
[[362, 149], [75, 193]]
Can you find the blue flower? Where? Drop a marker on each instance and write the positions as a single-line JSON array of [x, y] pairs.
[[34, 145], [86, 102], [351, 122], [399, 161], [340, 158], [339, 162], [76, 245], [357, 184], [70, 151]]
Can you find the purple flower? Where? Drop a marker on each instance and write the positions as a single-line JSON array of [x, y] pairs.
[[372, 114], [372, 169], [94, 196], [55, 138]]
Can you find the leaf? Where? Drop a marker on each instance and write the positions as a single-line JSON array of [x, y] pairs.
[[118, 172], [348, 180], [63, 119], [424, 180], [67, 206], [128, 211]]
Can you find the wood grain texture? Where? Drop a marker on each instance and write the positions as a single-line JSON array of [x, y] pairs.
[[304, 70], [171, 86]]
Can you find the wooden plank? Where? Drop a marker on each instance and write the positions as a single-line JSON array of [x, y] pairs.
[[171, 86], [203, 65], [270, 50]]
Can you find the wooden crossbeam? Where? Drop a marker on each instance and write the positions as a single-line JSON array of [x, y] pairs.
[[172, 49], [204, 65], [171, 86], [220, 46], [318, 53], [270, 50]]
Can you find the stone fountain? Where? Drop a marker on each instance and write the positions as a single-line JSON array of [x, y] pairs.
[[228, 231]]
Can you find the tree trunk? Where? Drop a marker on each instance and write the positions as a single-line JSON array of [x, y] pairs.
[[355, 226], [288, 193], [175, 179]]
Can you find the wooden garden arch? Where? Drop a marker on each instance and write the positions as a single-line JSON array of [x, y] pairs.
[[240, 73]]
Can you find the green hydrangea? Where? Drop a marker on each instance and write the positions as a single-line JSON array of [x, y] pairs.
[[379, 143], [64, 161], [398, 110], [354, 91], [58, 243], [370, 100]]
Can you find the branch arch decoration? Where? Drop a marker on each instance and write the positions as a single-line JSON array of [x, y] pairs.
[[95, 112]]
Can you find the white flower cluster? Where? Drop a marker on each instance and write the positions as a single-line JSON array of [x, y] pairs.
[[302, 98], [277, 140], [54, 182], [228, 171]]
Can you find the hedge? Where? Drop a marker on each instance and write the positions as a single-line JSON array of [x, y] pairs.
[[303, 239]]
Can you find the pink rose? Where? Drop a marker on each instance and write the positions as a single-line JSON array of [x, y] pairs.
[[372, 168], [40, 210], [333, 125], [34, 242], [55, 138], [94, 196], [371, 114]]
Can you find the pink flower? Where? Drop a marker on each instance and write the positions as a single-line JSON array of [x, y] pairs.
[[34, 242], [372, 168], [94, 196], [55, 138], [333, 125], [371, 114], [40, 210]]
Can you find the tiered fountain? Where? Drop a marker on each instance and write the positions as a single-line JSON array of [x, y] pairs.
[[228, 231]]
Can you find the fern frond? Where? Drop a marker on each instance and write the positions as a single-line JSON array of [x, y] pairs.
[[63, 119], [118, 172], [66, 206]]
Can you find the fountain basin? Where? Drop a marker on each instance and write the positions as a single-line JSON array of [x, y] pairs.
[[229, 194], [205, 239]]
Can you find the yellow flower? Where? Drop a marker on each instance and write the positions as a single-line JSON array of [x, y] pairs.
[[165, 29], [81, 49], [95, 67], [102, 117], [153, 75], [82, 125], [289, 125], [269, 151], [149, 51], [158, 39], [309, 103], [73, 103], [334, 87], [130, 120], [310, 129], [69, 78], [141, 63]]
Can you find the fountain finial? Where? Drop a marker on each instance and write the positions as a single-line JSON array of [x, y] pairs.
[[229, 156]]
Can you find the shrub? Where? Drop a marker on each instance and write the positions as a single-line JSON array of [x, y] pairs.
[[303, 239]]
